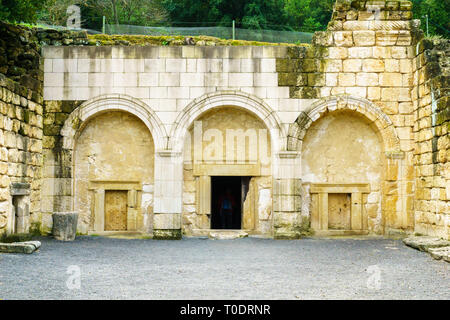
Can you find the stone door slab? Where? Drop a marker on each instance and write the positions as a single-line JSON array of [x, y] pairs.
[[339, 211], [116, 210]]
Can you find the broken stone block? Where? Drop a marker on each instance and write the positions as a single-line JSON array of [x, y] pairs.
[[424, 243], [20, 247], [440, 253], [65, 225]]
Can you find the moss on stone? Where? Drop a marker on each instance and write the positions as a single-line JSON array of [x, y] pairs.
[[160, 234], [19, 237], [141, 40]]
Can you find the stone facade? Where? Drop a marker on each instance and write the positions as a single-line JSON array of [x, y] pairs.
[[432, 140], [355, 127]]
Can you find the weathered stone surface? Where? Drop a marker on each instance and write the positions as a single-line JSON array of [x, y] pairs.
[[160, 84], [424, 243], [20, 247], [440, 253], [227, 234], [65, 225]]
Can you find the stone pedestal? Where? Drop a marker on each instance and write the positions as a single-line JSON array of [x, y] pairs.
[[168, 195], [287, 200], [65, 225]]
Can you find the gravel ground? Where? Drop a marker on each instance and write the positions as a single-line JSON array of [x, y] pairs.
[[250, 268]]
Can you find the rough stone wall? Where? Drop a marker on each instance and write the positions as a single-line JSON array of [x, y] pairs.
[[368, 59], [431, 129], [21, 124]]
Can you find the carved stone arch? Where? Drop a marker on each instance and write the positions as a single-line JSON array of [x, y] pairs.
[[113, 102], [370, 111], [227, 98]]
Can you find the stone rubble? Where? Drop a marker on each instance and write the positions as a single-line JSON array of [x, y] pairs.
[[436, 247]]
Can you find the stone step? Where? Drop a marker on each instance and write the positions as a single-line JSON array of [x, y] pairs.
[[227, 234]]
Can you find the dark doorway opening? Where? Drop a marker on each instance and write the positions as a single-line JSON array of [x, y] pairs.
[[226, 204]]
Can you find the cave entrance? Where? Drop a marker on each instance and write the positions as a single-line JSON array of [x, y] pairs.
[[227, 198]]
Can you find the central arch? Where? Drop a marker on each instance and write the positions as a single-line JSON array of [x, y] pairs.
[[226, 98], [248, 179]]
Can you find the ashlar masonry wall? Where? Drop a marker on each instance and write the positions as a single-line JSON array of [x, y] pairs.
[[369, 70]]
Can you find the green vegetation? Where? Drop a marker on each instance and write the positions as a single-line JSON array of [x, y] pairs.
[[296, 15], [102, 39], [21, 10], [438, 16], [19, 237]]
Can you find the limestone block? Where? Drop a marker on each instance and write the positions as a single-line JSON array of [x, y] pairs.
[[367, 79], [169, 79], [192, 79], [244, 79], [331, 79], [125, 79], [175, 65], [357, 91], [343, 38], [332, 65], [65, 225], [386, 37], [360, 52], [390, 79], [373, 93], [267, 65], [263, 80], [373, 65], [53, 79], [132, 65], [178, 92], [154, 65], [395, 94], [405, 65], [227, 235], [346, 79], [214, 79], [167, 221], [158, 92], [364, 38], [352, 65], [337, 53], [391, 65], [356, 25], [65, 65], [399, 52]]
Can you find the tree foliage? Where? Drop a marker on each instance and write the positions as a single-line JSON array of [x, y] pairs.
[[438, 15], [20, 10], [301, 15]]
